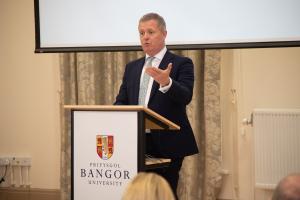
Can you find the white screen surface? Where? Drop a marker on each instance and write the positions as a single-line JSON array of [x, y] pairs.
[[99, 23]]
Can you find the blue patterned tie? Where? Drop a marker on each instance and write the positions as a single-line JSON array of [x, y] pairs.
[[144, 82]]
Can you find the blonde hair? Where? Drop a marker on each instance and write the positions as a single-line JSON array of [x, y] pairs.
[[148, 186]]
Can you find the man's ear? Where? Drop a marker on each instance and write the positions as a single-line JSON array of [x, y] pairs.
[[165, 33]]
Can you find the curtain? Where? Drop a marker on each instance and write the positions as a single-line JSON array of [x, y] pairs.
[[95, 78]]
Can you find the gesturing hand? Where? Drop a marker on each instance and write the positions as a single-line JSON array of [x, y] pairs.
[[159, 75]]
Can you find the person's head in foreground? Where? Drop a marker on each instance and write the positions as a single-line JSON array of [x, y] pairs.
[[288, 188], [148, 186]]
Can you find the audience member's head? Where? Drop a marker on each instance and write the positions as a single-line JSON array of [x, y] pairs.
[[148, 186], [288, 188]]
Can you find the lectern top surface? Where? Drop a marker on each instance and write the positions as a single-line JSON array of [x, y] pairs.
[[149, 123]]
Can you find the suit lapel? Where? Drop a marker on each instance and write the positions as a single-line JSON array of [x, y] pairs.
[[163, 65]]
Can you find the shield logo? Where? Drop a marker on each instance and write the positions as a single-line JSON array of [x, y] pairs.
[[105, 146]]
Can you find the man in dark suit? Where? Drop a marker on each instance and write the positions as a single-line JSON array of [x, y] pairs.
[[168, 91]]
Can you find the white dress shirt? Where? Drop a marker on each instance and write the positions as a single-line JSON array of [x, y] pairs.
[[155, 63]]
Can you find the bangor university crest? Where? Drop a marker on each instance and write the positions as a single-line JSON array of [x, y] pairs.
[[105, 146]]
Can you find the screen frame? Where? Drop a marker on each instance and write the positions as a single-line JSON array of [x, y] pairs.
[[239, 45]]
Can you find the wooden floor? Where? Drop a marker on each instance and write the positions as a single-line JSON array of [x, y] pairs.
[[29, 194]]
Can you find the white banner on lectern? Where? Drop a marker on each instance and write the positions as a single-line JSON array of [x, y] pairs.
[[104, 153]]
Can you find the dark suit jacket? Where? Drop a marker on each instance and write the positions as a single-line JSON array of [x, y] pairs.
[[171, 105]]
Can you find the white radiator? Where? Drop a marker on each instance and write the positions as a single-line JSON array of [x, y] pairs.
[[276, 145]]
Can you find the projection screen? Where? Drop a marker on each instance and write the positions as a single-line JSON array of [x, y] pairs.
[[98, 25]]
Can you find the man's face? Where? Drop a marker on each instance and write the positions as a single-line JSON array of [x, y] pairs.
[[152, 38]]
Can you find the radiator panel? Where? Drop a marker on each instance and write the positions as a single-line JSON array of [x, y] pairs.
[[276, 145]]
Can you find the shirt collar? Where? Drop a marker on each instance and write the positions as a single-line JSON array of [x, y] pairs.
[[160, 54]]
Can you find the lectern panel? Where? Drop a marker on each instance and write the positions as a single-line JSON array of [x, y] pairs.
[[104, 157]]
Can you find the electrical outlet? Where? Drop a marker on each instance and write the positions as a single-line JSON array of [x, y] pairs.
[[4, 161], [15, 161], [25, 161], [21, 161]]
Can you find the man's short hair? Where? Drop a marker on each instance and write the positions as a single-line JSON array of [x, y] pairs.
[[154, 16]]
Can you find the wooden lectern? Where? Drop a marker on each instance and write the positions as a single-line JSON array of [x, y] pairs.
[[108, 148]]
